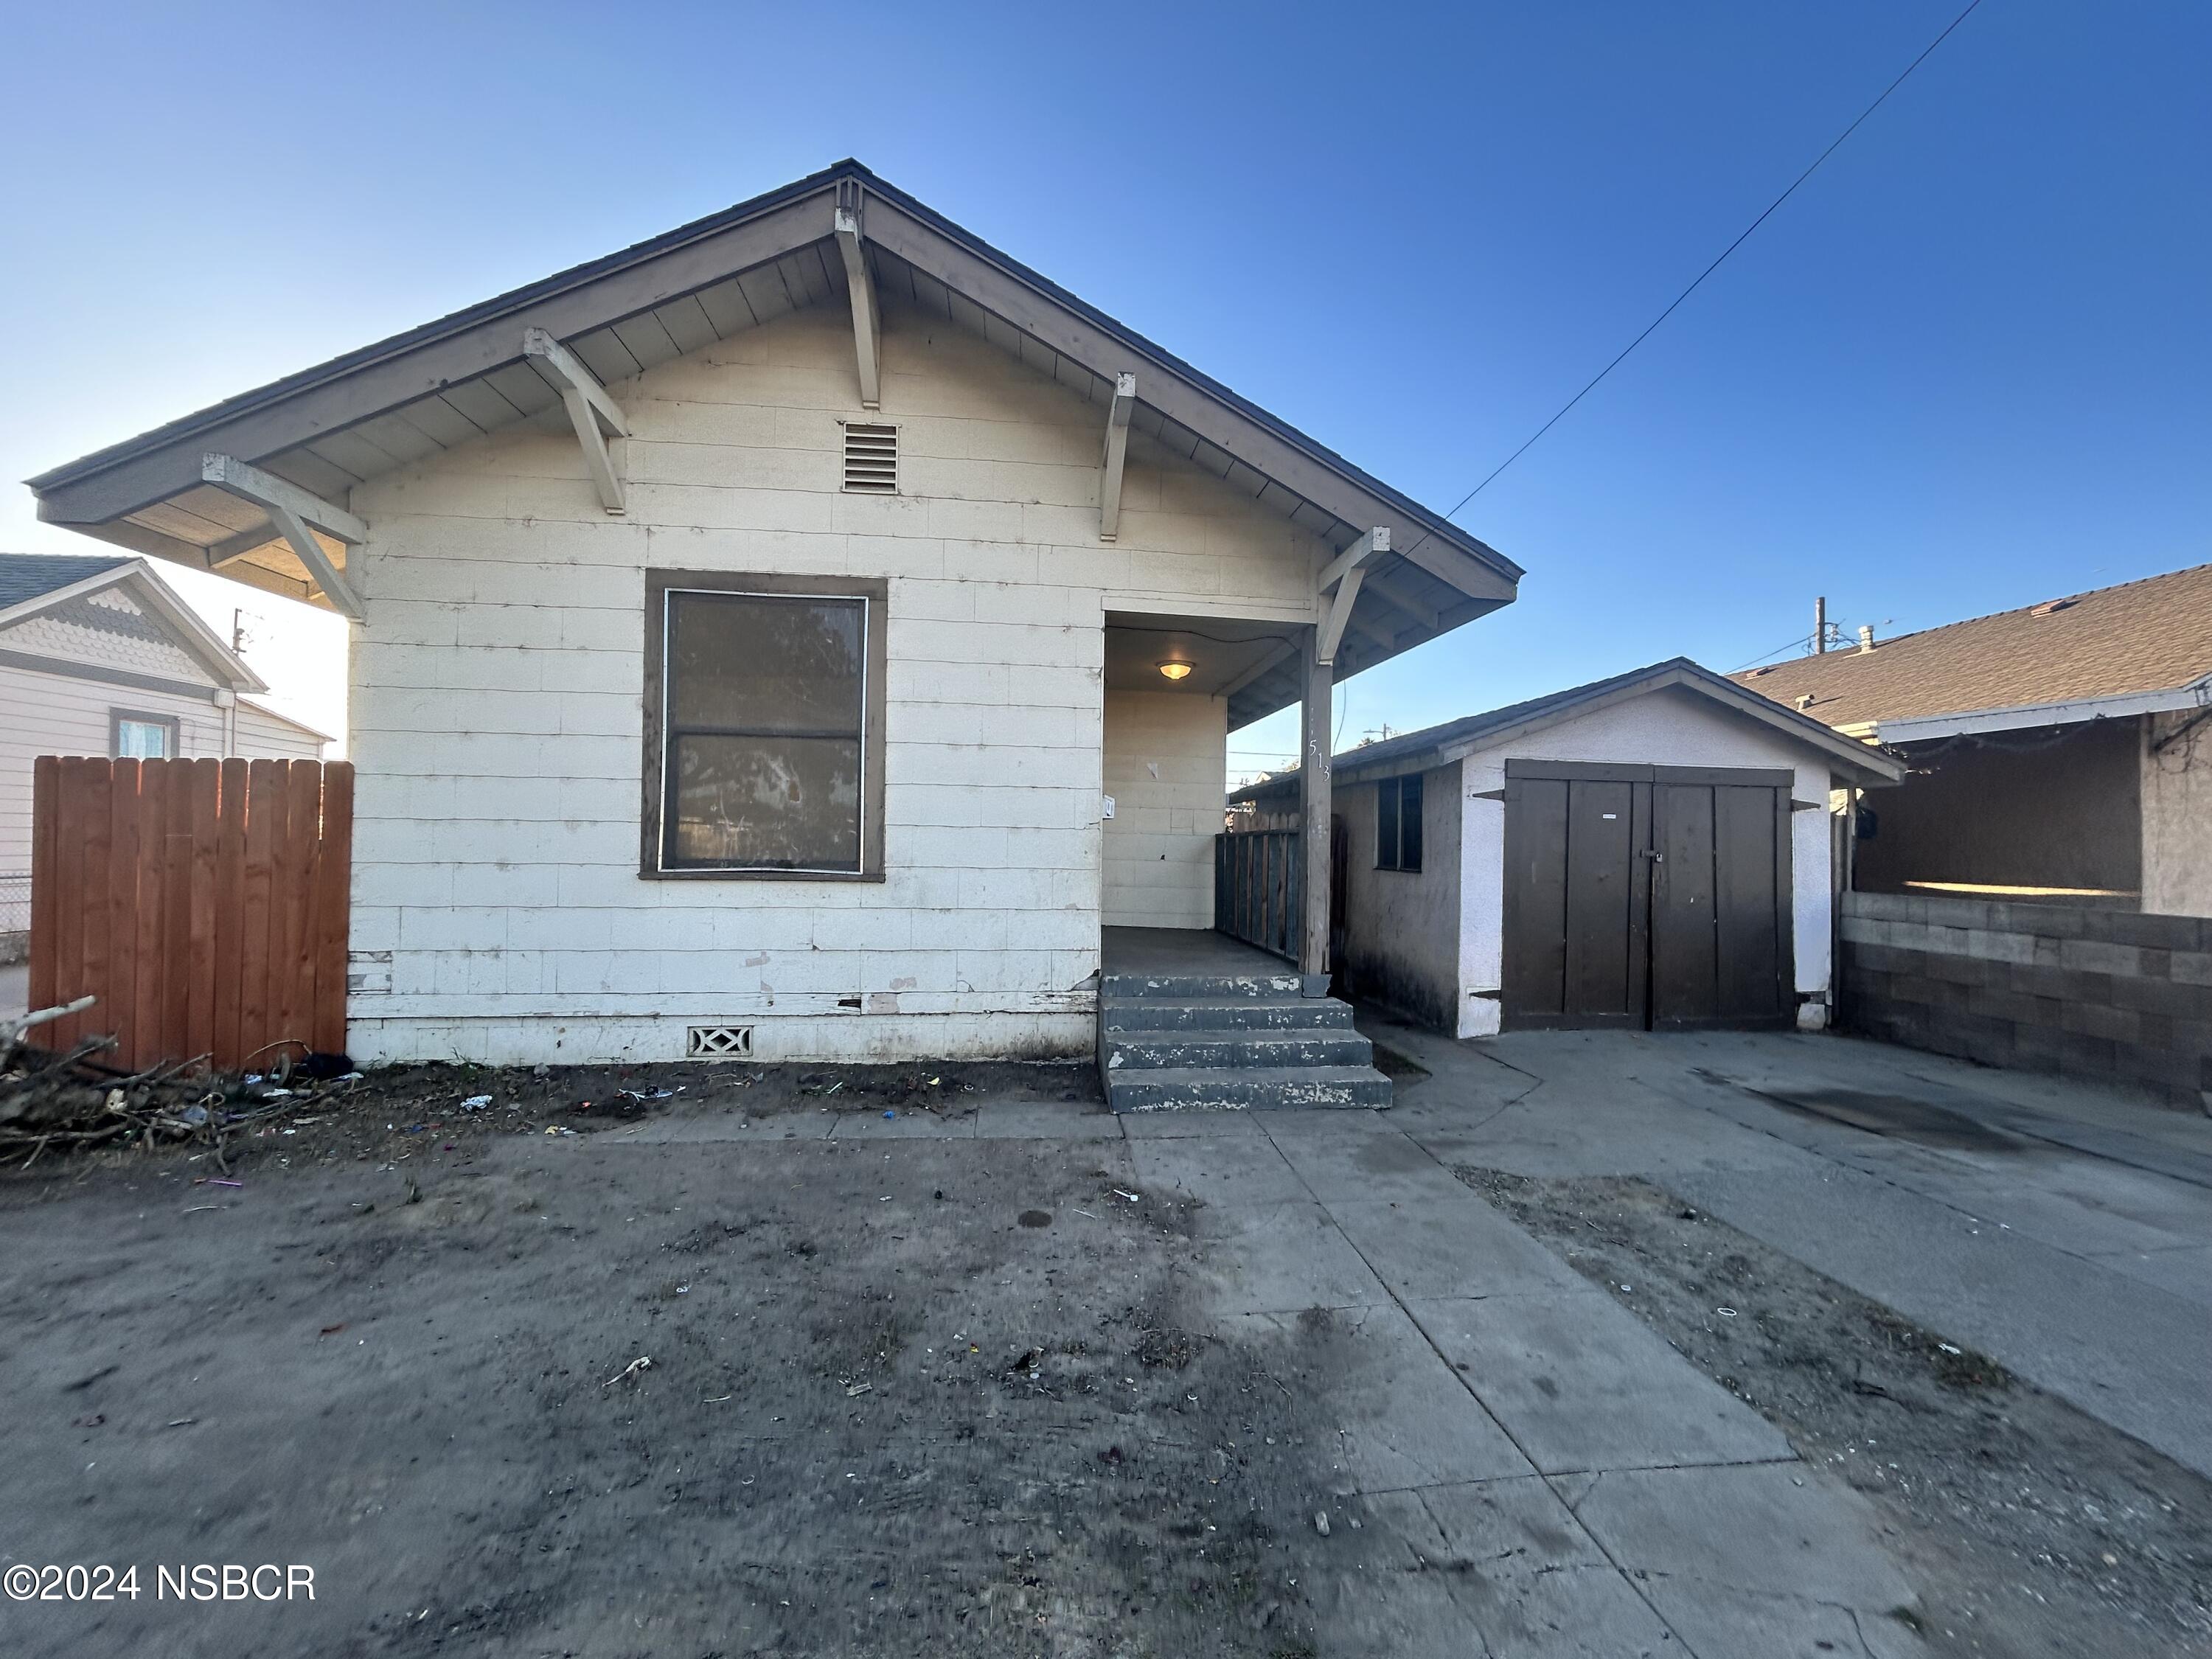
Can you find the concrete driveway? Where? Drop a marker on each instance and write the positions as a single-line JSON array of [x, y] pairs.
[[2064, 1229]]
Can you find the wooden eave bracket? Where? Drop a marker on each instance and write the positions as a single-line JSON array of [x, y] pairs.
[[296, 516], [867, 330], [595, 416], [1345, 574], [1117, 452]]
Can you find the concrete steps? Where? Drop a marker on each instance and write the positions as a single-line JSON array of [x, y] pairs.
[[1176, 1042], [1255, 1014], [1172, 1088]]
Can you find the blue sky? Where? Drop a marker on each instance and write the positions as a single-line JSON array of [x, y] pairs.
[[1967, 367]]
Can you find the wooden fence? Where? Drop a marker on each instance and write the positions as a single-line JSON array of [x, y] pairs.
[[1257, 880], [205, 903]]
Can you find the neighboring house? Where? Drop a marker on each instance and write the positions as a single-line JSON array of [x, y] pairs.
[[1648, 851], [2059, 751], [98, 656], [755, 624]]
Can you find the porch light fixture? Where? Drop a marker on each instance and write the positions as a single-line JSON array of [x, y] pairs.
[[1176, 671]]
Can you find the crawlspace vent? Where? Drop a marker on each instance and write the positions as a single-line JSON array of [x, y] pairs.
[[718, 1042]]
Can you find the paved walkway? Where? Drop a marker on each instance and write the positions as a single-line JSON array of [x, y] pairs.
[[1510, 1415]]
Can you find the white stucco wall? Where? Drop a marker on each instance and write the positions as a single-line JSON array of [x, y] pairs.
[[1166, 764], [2177, 819], [1669, 727], [498, 909]]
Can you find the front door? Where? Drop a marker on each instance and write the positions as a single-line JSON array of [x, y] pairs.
[[1647, 897]]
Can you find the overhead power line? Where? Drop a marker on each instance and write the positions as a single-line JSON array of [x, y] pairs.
[[1718, 261]]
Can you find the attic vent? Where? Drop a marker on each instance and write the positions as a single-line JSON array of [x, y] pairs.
[[2049, 605], [872, 459], [718, 1042]]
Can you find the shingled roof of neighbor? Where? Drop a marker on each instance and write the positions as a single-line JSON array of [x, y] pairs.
[[32, 575], [2150, 636]]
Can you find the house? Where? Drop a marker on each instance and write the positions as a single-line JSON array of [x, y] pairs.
[[1647, 851], [810, 632], [2058, 752], [99, 656]]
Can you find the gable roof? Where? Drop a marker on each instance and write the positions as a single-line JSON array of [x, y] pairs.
[[447, 382], [30, 575], [2035, 665], [35, 584], [1437, 745]]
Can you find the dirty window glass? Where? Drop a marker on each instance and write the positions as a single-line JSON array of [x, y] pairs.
[[1397, 823], [766, 697]]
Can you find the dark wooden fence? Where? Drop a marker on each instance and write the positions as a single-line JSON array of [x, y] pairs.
[[203, 902], [1258, 881]]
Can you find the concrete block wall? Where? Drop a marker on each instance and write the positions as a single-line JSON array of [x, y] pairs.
[[2105, 995]]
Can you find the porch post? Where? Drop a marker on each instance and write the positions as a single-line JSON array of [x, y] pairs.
[[1313, 793]]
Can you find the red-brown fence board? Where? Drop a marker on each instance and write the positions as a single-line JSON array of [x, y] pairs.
[[122, 912], [205, 903], [333, 900]]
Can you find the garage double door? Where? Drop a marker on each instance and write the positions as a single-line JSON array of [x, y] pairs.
[[1646, 896]]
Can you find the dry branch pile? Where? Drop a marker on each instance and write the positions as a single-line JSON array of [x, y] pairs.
[[70, 1100]]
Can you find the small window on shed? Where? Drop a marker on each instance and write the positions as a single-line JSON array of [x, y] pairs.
[[1397, 823], [870, 459]]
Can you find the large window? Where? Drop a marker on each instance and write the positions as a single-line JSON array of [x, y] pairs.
[[141, 737], [1397, 823], [764, 726]]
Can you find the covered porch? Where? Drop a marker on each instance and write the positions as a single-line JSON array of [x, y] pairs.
[[1177, 684]]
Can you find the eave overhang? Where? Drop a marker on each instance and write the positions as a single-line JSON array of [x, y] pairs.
[[448, 382]]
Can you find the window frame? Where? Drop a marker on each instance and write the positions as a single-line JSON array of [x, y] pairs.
[[174, 747], [659, 585], [1396, 789]]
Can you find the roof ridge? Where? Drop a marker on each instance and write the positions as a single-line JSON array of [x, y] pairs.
[[1722, 687], [1847, 652]]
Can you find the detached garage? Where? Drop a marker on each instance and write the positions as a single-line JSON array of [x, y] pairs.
[[1652, 851]]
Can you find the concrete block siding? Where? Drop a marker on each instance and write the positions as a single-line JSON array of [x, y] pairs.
[[2100, 994], [497, 719], [1166, 756]]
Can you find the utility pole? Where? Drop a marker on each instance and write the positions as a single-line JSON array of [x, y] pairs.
[[1820, 625]]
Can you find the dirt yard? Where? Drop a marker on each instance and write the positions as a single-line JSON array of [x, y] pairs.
[[2039, 1532], [510, 1391]]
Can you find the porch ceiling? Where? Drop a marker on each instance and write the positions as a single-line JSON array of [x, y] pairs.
[[1222, 653]]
